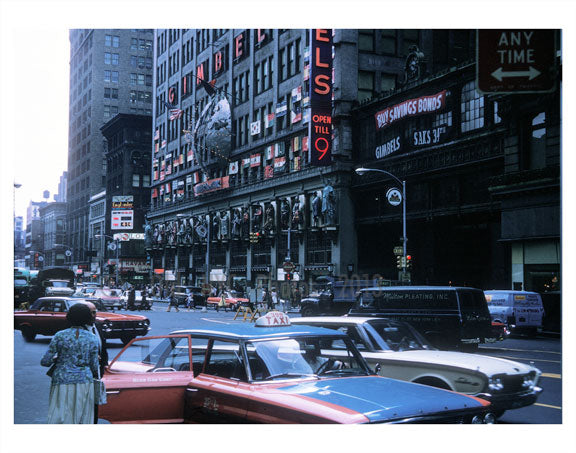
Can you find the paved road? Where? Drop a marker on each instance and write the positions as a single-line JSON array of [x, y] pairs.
[[31, 385]]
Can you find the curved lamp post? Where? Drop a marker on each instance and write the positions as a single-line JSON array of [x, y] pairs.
[[361, 171], [117, 244]]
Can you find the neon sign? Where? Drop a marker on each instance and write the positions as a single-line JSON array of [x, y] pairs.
[[320, 126]]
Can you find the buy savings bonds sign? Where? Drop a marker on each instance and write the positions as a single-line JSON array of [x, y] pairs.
[[320, 126]]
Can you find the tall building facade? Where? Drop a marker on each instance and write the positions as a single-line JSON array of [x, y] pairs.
[[234, 180], [128, 153], [235, 158], [110, 73]]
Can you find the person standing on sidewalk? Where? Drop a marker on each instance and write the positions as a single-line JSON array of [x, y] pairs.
[[173, 302], [74, 352]]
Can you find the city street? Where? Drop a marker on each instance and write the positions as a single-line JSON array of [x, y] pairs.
[[31, 385]]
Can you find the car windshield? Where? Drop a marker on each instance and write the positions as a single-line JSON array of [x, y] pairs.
[[97, 303], [58, 284], [20, 282], [397, 337], [315, 357]]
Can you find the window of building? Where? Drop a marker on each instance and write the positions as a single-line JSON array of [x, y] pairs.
[[365, 85], [135, 180], [537, 156], [388, 42], [471, 108], [366, 40], [387, 82]]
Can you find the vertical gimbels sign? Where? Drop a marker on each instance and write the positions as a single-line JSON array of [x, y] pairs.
[[320, 126]]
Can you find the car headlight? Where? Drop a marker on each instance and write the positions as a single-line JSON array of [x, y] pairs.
[[495, 384], [528, 382]]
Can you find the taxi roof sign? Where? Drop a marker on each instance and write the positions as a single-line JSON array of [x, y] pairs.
[[273, 319]]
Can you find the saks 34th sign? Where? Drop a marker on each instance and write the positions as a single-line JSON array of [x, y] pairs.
[[320, 126], [411, 107]]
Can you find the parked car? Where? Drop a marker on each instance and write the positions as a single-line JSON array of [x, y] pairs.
[[47, 316], [520, 311], [267, 372], [395, 349], [449, 317], [232, 300], [112, 298], [198, 297], [138, 305]]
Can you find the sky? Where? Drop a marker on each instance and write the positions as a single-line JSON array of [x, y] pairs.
[[34, 79], [42, 83]]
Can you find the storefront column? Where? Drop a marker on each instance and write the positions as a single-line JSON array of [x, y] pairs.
[[517, 265]]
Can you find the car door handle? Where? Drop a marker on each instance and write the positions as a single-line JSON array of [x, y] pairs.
[[191, 390], [112, 392]]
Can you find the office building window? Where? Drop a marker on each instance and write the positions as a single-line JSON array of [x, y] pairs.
[[112, 41], [471, 108], [366, 40], [537, 156], [365, 85], [388, 42]]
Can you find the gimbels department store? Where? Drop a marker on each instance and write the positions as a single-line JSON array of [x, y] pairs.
[[482, 176], [244, 174], [256, 168]]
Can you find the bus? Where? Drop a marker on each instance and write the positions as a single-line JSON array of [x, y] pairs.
[[21, 286]]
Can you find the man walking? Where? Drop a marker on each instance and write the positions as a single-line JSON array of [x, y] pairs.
[[173, 302]]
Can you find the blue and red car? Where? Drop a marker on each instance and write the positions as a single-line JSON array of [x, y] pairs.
[[271, 372]]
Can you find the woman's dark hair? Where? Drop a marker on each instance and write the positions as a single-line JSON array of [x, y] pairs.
[[79, 315]]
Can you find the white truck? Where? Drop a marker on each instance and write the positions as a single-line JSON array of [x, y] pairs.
[[519, 310]]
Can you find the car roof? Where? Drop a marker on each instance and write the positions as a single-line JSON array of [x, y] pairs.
[[348, 320], [236, 331], [416, 288]]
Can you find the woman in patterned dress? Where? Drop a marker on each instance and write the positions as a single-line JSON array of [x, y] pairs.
[[74, 352]]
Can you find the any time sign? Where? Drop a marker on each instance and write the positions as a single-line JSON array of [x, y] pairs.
[[515, 61]]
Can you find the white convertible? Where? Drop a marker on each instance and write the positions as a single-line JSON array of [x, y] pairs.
[[394, 349]]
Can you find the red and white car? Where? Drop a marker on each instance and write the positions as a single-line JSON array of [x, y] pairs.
[[47, 316], [231, 300]]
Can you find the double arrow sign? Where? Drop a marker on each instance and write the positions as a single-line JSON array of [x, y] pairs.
[[500, 74], [516, 61]]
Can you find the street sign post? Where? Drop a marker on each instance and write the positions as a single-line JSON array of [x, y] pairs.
[[515, 61], [288, 267]]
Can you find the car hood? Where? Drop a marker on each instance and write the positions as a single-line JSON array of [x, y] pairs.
[[109, 316], [378, 399], [473, 362]]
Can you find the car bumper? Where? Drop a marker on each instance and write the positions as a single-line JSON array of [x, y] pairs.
[[111, 332], [511, 400]]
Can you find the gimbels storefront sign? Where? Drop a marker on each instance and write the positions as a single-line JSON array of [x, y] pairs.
[[320, 126], [410, 107]]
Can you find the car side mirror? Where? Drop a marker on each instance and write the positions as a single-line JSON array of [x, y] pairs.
[[378, 368]]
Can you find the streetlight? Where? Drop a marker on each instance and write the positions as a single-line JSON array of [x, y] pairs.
[[68, 252], [361, 171], [117, 248]]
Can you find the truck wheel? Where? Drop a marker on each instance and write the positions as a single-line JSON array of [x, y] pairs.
[[28, 334], [307, 311]]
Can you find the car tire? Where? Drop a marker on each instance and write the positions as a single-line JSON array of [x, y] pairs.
[[126, 339], [307, 311], [28, 334]]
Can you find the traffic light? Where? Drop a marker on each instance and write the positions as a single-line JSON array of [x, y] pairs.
[[36, 260], [399, 261], [288, 276], [408, 261], [254, 237]]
